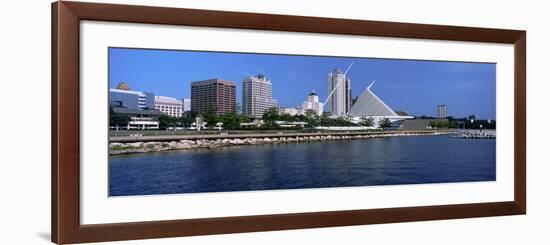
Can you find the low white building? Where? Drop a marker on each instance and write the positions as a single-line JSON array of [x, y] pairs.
[[312, 103], [139, 119], [290, 110], [285, 124], [170, 106], [256, 123]]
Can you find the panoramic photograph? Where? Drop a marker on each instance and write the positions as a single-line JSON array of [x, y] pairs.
[[184, 121]]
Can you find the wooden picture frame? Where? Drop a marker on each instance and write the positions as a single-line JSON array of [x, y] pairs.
[[65, 170]]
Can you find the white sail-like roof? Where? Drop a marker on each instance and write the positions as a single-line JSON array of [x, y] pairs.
[[369, 104]]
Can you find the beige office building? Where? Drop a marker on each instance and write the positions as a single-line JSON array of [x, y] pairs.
[[170, 106]]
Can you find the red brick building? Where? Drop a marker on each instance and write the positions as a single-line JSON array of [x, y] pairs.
[[215, 94]]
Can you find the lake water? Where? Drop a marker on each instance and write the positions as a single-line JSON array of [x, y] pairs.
[[362, 162]]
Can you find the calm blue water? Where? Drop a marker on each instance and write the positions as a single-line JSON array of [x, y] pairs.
[[384, 161]]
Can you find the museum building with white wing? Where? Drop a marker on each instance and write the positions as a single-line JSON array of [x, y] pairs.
[[369, 105]]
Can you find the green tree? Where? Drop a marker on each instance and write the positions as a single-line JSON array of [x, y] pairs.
[[232, 120], [270, 116], [384, 123], [366, 121], [341, 122], [184, 121], [325, 121], [287, 117], [210, 117], [452, 124], [117, 120], [440, 124], [166, 121], [311, 118]]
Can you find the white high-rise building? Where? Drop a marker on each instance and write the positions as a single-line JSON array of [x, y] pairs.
[[169, 106], [312, 103], [441, 111], [257, 96], [186, 104], [340, 101]]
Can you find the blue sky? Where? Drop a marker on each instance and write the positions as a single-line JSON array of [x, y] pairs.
[[415, 87]]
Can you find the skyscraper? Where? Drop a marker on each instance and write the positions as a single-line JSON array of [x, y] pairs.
[[340, 101], [213, 94], [441, 111], [257, 96]]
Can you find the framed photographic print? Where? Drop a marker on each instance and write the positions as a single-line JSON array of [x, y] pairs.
[[176, 122]]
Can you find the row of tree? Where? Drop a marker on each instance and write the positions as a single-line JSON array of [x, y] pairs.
[[467, 124], [313, 119], [443, 124], [233, 120]]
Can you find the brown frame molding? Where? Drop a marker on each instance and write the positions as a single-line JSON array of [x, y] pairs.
[[66, 227]]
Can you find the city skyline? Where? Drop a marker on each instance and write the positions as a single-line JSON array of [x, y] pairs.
[[405, 85]]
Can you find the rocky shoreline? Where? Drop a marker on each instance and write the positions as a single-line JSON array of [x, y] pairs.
[[116, 148]]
